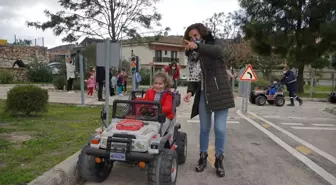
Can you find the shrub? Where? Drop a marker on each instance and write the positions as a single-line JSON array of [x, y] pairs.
[[76, 84], [59, 82], [39, 72], [6, 77], [182, 82], [145, 76], [260, 83], [27, 99]]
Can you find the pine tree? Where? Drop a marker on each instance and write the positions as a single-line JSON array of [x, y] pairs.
[[300, 30]]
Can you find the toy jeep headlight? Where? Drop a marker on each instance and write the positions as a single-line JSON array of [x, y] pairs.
[[140, 145]]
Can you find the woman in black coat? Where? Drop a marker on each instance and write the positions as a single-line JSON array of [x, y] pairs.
[[209, 82]]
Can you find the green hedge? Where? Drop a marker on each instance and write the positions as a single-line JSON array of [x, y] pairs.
[[6, 77]]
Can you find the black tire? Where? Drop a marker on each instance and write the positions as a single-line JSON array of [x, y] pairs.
[[91, 171], [252, 100], [279, 101], [271, 102], [182, 150], [261, 100], [160, 170]]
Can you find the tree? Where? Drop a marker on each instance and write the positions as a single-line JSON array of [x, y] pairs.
[[301, 30], [23, 42], [101, 18], [90, 55]]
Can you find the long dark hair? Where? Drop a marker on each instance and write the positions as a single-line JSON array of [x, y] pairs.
[[203, 30]]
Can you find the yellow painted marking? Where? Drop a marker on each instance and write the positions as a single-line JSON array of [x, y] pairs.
[[211, 155], [266, 125], [304, 150]]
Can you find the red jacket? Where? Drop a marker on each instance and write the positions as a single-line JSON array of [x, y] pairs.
[[166, 102], [176, 75]]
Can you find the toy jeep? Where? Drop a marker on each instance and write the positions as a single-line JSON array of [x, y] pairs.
[[138, 134], [260, 97]]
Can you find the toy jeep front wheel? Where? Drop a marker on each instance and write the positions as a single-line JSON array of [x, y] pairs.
[[163, 168], [181, 150], [91, 171]]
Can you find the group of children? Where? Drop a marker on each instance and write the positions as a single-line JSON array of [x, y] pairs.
[[117, 82]]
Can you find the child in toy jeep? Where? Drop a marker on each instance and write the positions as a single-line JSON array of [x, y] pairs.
[[142, 132]]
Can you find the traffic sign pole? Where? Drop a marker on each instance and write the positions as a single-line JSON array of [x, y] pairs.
[[247, 77]]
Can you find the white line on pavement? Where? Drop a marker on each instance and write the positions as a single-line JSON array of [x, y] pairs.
[[314, 128], [271, 116], [299, 118], [228, 121], [303, 142], [323, 125], [292, 124], [316, 168]]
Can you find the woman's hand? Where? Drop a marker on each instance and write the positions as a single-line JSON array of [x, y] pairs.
[[187, 97], [190, 45]]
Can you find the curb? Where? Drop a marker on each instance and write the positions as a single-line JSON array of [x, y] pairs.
[[331, 110], [65, 173]]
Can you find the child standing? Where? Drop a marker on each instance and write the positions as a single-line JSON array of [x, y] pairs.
[[113, 85], [91, 82], [120, 83]]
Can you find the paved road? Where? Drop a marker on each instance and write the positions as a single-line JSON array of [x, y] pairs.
[[269, 146], [252, 155]]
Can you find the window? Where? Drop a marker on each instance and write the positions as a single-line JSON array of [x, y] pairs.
[[166, 52], [173, 56], [158, 55]]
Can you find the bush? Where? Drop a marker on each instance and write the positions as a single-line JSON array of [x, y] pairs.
[[59, 82], [182, 82], [6, 77], [27, 99], [260, 83], [76, 84], [145, 76], [39, 72]]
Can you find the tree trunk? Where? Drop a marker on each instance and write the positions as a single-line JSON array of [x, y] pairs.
[[300, 79]]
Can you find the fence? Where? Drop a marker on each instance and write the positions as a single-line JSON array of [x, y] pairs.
[[26, 41]]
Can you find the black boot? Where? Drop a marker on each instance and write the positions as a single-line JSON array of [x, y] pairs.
[[202, 162], [220, 171], [291, 102], [299, 100]]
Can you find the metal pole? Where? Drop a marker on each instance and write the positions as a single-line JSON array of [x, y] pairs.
[[243, 83], [81, 73], [333, 82], [150, 75], [107, 79], [247, 92], [312, 83]]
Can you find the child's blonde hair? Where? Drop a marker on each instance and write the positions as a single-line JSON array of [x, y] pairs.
[[166, 79]]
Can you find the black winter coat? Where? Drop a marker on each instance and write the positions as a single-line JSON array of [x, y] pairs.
[[217, 88]]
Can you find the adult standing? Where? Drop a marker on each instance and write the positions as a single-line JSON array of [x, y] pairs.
[[290, 81], [173, 71], [100, 79], [209, 82], [70, 69]]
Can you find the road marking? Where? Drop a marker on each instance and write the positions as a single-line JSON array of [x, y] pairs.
[[266, 125], [292, 124], [313, 128], [271, 116], [323, 125], [300, 118], [303, 142], [304, 150], [197, 121], [316, 168]]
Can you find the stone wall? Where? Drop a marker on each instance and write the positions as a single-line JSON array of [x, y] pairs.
[[10, 53], [19, 74]]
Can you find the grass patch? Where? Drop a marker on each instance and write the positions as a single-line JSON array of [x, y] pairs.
[[29, 146], [319, 88]]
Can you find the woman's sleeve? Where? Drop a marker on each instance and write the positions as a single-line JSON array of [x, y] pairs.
[[192, 87], [213, 51], [167, 105]]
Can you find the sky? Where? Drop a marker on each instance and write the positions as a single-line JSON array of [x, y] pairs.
[[176, 14]]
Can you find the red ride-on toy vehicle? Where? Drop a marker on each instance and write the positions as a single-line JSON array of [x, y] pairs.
[[260, 97], [138, 134]]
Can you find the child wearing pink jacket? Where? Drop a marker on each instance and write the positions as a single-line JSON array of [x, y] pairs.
[[91, 83]]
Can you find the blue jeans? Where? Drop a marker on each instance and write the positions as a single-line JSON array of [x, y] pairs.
[[220, 127]]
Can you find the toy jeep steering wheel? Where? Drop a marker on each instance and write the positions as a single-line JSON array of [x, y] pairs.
[[147, 111]]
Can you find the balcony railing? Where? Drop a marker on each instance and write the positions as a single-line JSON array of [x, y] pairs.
[[165, 59]]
